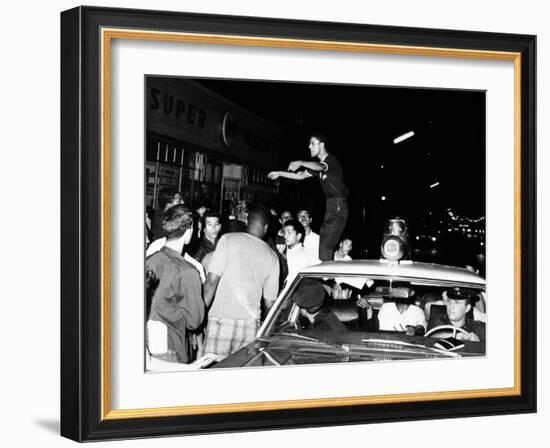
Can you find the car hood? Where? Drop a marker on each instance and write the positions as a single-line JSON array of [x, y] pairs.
[[299, 348]]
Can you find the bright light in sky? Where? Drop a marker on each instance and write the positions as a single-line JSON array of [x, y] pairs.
[[403, 137]]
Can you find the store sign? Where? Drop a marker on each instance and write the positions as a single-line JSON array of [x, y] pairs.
[[187, 112], [171, 105]]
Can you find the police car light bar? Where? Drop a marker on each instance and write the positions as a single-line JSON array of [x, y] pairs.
[[394, 245], [393, 248]]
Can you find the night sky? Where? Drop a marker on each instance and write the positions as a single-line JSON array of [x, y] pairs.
[[361, 122]]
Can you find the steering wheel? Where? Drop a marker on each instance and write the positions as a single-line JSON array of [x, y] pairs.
[[445, 331]]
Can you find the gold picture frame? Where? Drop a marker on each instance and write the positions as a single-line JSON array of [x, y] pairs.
[[86, 397]]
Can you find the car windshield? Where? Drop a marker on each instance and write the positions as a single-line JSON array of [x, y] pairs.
[[331, 307]]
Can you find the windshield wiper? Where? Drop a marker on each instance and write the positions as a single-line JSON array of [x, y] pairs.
[[409, 344], [344, 347], [295, 335]]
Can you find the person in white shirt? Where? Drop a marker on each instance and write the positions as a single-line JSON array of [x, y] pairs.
[[344, 248], [398, 314], [296, 256], [403, 317], [279, 239], [311, 239]]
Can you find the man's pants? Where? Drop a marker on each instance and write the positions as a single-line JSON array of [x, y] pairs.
[[336, 217], [226, 336]]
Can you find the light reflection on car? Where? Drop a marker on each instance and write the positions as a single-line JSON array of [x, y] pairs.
[[286, 338]]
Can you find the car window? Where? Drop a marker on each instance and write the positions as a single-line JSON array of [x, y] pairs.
[[283, 317], [357, 302]]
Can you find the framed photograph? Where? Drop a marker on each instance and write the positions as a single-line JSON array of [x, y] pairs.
[[274, 223]]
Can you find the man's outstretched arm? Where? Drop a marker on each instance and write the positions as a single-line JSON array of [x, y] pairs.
[[310, 165], [301, 175]]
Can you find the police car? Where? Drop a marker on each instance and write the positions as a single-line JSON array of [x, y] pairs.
[[354, 298]]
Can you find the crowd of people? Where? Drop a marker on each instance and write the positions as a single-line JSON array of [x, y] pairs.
[[210, 281], [209, 293]]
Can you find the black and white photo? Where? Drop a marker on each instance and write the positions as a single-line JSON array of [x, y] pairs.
[[294, 223]]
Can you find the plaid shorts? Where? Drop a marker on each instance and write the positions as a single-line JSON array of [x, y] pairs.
[[225, 336]]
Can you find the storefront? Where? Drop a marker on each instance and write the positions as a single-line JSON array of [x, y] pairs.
[[206, 146]]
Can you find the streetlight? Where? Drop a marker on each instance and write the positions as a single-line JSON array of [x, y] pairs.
[[403, 137]]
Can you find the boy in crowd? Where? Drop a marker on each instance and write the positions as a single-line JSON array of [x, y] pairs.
[[211, 229], [296, 256], [311, 239]]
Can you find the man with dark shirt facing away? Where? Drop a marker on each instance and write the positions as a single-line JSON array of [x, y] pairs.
[[174, 300]]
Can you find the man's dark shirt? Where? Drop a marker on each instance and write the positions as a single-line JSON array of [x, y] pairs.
[[326, 320], [475, 326], [332, 179], [176, 300], [205, 247]]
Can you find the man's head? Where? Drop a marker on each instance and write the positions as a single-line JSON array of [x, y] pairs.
[[177, 223], [304, 216], [293, 233], [317, 144], [346, 245], [458, 303], [259, 218], [310, 296], [168, 198], [212, 225], [285, 216]]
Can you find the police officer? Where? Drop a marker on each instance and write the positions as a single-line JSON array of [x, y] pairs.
[[458, 303], [310, 297]]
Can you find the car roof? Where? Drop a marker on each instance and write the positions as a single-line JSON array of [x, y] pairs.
[[405, 268]]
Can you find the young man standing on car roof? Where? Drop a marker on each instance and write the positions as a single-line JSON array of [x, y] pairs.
[[331, 177]]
